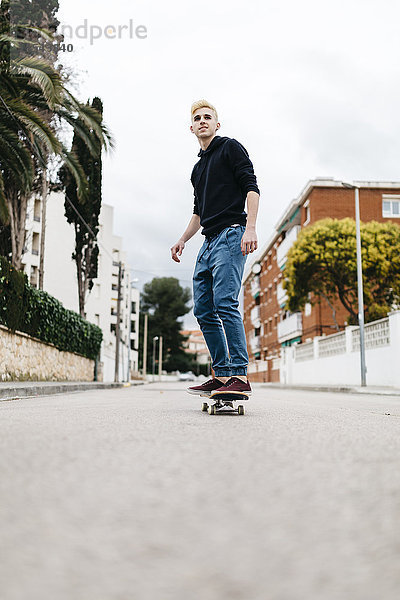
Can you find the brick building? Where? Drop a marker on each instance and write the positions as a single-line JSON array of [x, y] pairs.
[[268, 326], [196, 345]]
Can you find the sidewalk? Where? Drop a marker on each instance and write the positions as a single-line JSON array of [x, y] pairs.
[[13, 390], [344, 389]]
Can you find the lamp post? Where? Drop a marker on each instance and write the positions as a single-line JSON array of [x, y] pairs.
[[155, 338], [145, 348], [160, 358], [359, 282], [118, 325]]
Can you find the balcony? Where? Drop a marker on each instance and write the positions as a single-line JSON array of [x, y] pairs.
[[255, 286], [255, 344], [290, 328], [284, 247], [281, 295], [255, 316]]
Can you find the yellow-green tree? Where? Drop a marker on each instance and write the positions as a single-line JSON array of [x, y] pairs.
[[322, 263]]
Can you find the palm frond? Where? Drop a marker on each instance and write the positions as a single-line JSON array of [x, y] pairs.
[[92, 119], [9, 39], [81, 130], [43, 75], [15, 157], [37, 126], [44, 33]]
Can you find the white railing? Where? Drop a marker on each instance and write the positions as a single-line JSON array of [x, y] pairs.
[[281, 294], [332, 344], [284, 247], [255, 286], [377, 334], [335, 359], [304, 352], [276, 364], [290, 328], [255, 316]]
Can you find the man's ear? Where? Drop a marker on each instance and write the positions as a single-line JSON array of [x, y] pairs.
[[191, 129], [218, 125]]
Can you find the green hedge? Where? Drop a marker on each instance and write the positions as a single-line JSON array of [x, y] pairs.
[[38, 314]]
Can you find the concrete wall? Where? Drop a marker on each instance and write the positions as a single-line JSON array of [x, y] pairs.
[[310, 364], [23, 358]]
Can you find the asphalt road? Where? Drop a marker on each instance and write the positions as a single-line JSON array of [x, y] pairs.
[[135, 494]]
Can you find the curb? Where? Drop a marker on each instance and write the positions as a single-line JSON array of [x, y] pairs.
[[14, 392], [336, 389]]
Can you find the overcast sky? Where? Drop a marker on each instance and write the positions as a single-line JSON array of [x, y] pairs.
[[310, 88]]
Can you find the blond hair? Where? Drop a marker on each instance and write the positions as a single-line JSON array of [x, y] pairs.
[[203, 104]]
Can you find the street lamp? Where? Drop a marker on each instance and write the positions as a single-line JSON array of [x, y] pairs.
[[155, 338], [359, 282]]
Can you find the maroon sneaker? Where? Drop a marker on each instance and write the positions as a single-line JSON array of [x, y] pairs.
[[205, 388], [234, 385]]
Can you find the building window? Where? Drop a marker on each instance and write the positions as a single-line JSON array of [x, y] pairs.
[[306, 212], [113, 327], [35, 244], [133, 310], [391, 208], [257, 331], [133, 326], [36, 210]]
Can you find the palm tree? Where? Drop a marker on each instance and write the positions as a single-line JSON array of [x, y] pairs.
[[33, 103]]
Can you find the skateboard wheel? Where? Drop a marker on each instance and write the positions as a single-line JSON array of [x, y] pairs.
[[241, 410], [204, 407], [212, 410]]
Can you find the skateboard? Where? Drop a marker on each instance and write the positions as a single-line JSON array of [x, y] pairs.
[[222, 401]]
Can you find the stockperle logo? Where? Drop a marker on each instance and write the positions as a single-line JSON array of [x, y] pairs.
[[87, 31]]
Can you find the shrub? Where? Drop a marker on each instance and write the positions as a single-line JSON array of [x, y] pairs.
[[38, 314]]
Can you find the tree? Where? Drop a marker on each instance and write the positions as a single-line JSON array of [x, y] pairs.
[[164, 300], [86, 249], [28, 19], [30, 89], [323, 263]]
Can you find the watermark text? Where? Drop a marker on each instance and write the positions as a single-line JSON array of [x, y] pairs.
[[86, 31]]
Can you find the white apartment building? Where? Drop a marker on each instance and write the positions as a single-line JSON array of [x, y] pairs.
[[60, 281]]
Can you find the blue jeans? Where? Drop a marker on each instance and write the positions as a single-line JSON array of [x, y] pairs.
[[217, 280]]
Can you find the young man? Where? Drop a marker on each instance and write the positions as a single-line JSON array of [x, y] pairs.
[[223, 180]]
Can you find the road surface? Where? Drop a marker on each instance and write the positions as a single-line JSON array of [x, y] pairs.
[[135, 494]]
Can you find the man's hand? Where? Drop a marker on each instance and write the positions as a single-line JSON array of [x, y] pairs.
[[249, 241], [177, 250]]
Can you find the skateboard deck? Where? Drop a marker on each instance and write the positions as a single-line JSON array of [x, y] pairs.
[[225, 401]]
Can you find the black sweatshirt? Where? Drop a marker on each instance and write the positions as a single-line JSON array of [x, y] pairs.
[[221, 179]]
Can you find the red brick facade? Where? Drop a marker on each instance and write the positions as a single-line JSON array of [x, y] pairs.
[[320, 199]]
